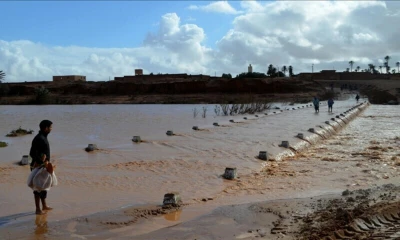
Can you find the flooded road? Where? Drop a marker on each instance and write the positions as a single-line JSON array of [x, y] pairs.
[[123, 173]]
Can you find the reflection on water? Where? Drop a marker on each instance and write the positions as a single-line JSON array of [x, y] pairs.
[[173, 216], [41, 226]]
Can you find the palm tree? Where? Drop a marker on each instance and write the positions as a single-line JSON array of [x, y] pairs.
[[358, 68], [387, 58], [393, 71], [386, 65], [272, 71], [284, 70], [290, 71], [351, 65], [2, 76], [398, 66], [380, 68], [371, 67]]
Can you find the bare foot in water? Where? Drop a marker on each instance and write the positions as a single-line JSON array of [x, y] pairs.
[[39, 212], [47, 208]]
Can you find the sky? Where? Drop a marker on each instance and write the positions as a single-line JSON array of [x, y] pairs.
[[106, 39]]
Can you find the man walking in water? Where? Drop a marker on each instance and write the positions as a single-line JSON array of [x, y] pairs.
[[316, 104], [40, 154], [330, 104], [357, 97]]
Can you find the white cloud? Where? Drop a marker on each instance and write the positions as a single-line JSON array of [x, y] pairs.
[[326, 33], [218, 7]]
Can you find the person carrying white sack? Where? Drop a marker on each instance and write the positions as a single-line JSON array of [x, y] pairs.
[[42, 176]]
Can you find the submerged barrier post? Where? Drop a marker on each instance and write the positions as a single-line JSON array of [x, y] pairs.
[[300, 135], [195, 128], [311, 130], [24, 160], [285, 144], [170, 133], [136, 139], [256, 115], [173, 199], [327, 122], [245, 118], [216, 124], [230, 173], [232, 121], [91, 147], [263, 155]]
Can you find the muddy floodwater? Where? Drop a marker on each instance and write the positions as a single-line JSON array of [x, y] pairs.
[[122, 173]]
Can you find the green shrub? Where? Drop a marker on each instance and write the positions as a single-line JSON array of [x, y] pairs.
[[19, 132]]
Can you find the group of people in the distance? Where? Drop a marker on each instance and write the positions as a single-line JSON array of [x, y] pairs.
[[330, 103]]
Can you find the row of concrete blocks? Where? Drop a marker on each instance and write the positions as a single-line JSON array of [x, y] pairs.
[[319, 133], [137, 139], [245, 118]]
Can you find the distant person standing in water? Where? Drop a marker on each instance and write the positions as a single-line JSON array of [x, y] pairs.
[[357, 97], [330, 104], [40, 154], [316, 104]]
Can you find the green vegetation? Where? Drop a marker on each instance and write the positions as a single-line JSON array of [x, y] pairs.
[[242, 108], [251, 75], [19, 132], [372, 68], [273, 72], [4, 88], [42, 96], [3, 144], [226, 75], [2, 76]]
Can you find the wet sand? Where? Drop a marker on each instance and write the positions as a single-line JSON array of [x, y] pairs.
[[348, 160]]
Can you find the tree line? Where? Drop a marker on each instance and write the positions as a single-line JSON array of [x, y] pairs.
[[372, 68], [271, 72]]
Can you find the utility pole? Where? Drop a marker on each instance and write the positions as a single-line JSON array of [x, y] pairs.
[[312, 68]]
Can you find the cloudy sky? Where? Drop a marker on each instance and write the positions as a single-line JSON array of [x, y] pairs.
[[103, 39]]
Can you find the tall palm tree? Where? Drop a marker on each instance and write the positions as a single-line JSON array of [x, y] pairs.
[[284, 70], [358, 68], [2, 76], [387, 58], [351, 63], [371, 67], [398, 66], [290, 71], [380, 68], [387, 67], [270, 71]]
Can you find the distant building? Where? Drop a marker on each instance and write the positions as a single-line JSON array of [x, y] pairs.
[[69, 78], [250, 69], [138, 72]]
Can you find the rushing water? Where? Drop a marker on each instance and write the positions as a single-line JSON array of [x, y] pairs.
[[125, 173]]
